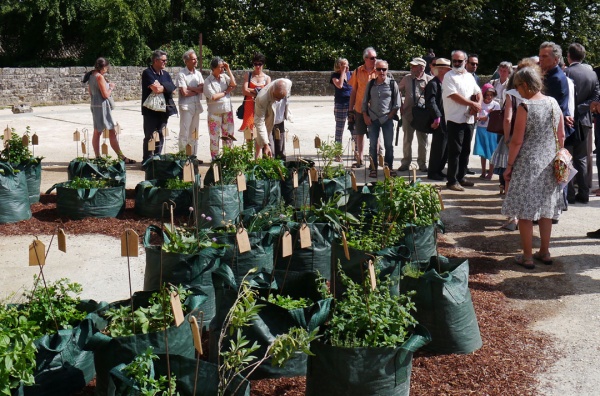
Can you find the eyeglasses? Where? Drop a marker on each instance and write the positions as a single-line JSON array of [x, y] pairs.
[[473, 63], [371, 58], [163, 60], [258, 64], [458, 60], [381, 69]]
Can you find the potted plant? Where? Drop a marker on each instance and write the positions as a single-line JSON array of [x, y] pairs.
[[263, 184], [367, 345], [17, 154], [168, 166], [150, 195], [297, 196], [13, 195], [333, 177], [100, 167]]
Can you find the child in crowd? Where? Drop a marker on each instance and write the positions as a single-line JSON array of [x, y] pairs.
[[486, 142]]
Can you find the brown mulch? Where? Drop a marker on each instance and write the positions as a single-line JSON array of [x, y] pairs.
[[507, 363]]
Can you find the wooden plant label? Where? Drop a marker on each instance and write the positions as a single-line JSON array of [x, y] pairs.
[[129, 243], [248, 134], [314, 174], [83, 148], [195, 134], [196, 334], [62, 240], [296, 141], [105, 133], [305, 236], [281, 174], [372, 275], [386, 172], [104, 149], [176, 306], [188, 149], [165, 131], [156, 136], [151, 145], [414, 175], [353, 180], [276, 134], [37, 253], [7, 134], [216, 175], [242, 240], [345, 245], [188, 172], [241, 182], [295, 178], [286, 244], [317, 142], [35, 140], [380, 159], [439, 193], [309, 179], [25, 140], [76, 136]]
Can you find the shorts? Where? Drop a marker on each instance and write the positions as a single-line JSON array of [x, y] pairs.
[[360, 128]]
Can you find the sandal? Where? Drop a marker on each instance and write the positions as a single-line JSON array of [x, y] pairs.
[[373, 173], [357, 165], [526, 263], [128, 161], [511, 225], [543, 258]]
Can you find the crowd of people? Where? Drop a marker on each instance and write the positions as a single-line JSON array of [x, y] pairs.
[[545, 105]]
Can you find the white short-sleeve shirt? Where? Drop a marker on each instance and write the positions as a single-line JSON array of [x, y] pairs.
[[463, 84]]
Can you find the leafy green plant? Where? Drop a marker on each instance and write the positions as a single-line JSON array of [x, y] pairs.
[[103, 163], [329, 153], [288, 302], [188, 240], [364, 317], [375, 234], [180, 155], [144, 320], [268, 217], [233, 161], [15, 152], [331, 212], [177, 184], [93, 182], [268, 168], [141, 370]]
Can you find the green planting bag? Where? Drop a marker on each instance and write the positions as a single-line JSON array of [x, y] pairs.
[[188, 371], [88, 170], [316, 257], [166, 166], [222, 203], [300, 196], [111, 351], [421, 241], [261, 193], [272, 319], [355, 202], [79, 203], [444, 306], [13, 195], [191, 270], [337, 371], [151, 194], [325, 189], [33, 174]]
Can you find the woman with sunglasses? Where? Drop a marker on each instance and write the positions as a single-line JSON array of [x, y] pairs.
[[254, 81]]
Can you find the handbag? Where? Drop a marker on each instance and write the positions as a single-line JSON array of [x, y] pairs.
[[156, 102], [240, 110], [496, 121], [421, 118], [562, 163]]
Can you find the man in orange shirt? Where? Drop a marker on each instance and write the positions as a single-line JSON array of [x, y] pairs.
[[359, 80]]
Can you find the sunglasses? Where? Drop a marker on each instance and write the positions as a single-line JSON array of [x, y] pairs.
[[474, 64], [257, 64], [381, 69], [458, 60], [163, 60]]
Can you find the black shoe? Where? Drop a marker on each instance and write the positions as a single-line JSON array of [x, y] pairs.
[[582, 199], [443, 174], [466, 183], [554, 221], [403, 168], [570, 201], [594, 234], [469, 172], [437, 177]]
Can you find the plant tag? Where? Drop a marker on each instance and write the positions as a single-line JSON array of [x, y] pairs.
[[104, 149], [105, 133], [286, 244], [188, 149], [277, 134], [216, 176], [439, 193], [188, 172], [305, 236], [353, 180], [372, 163], [309, 179], [317, 142], [380, 158], [386, 172], [83, 148], [165, 131], [345, 245], [295, 178], [314, 174], [196, 334], [7, 134], [129, 243], [414, 175], [35, 140], [241, 182], [248, 134], [280, 174], [76, 136], [25, 140], [296, 141], [117, 129], [372, 275], [62, 240], [242, 240], [195, 134], [156, 136], [176, 306], [151, 145], [37, 253]]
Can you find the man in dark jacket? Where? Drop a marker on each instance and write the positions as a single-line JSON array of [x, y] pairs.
[[438, 156], [155, 79]]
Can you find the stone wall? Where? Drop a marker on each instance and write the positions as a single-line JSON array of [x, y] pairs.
[[63, 85]]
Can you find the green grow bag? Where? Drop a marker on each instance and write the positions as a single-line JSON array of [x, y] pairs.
[[33, 174], [93, 202], [192, 270], [13, 195], [297, 197], [87, 170], [421, 241], [222, 203], [325, 189], [165, 166], [444, 306], [184, 369], [272, 320], [315, 258], [151, 194], [62, 367], [109, 351], [261, 193], [337, 371], [390, 261], [355, 202]]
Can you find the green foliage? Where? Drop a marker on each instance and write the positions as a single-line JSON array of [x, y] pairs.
[[82, 182], [331, 212], [140, 371], [268, 217], [328, 153], [144, 320], [103, 163], [288, 302], [370, 318], [15, 152], [268, 168], [177, 184], [233, 161], [374, 234], [186, 240]]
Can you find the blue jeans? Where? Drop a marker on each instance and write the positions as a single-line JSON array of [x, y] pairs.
[[387, 128]]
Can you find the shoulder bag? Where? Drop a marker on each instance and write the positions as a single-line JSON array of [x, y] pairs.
[[156, 102], [563, 165], [240, 110]]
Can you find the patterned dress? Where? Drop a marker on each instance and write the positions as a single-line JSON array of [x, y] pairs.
[[100, 107], [533, 192]]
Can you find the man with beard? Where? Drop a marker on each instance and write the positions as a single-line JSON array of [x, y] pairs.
[[462, 100], [438, 155]]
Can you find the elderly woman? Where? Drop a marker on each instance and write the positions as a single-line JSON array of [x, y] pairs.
[[504, 71], [533, 193], [217, 89], [254, 81]]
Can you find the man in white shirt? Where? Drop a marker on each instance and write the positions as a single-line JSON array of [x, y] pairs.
[[191, 86], [462, 100], [271, 109]]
